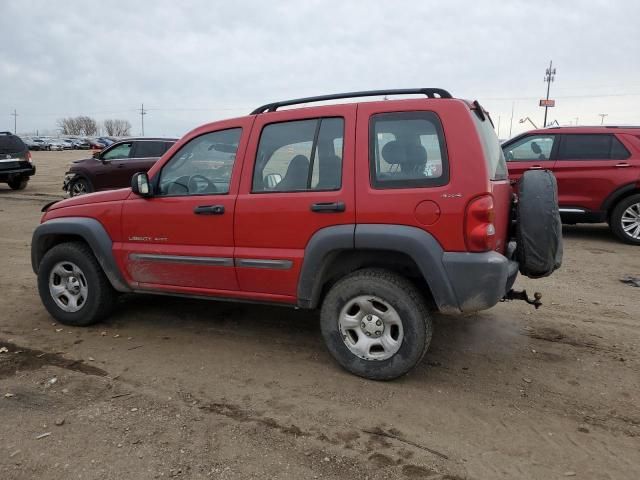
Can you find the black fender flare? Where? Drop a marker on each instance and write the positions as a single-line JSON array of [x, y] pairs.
[[92, 232], [618, 194], [418, 244]]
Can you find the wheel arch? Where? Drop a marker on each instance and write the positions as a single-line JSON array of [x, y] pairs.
[[334, 252], [87, 230], [618, 195]]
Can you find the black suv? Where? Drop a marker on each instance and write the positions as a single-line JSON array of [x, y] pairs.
[[16, 165]]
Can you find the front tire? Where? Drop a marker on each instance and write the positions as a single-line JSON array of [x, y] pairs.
[[72, 285], [19, 183], [376, 324], [80, 186], [625, 220]]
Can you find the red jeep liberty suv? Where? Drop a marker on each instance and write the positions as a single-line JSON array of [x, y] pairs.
[[597, 169], [375, 212]]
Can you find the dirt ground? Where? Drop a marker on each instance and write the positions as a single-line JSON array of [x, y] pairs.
[[196, 389]]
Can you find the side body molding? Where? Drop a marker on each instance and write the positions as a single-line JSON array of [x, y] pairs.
[[92, 232]]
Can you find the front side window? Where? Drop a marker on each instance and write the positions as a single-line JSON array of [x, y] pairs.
[[300, 156], [149, 148], [591, 147], [118, 152], [407, 149], [530, 149], [202, 166]]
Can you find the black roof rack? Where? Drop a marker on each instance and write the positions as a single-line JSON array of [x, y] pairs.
[[429, 92]]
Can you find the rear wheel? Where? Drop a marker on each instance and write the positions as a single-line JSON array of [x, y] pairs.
[[19, 183], [80, 186], [72, 285], [376, 324], [625, 220]]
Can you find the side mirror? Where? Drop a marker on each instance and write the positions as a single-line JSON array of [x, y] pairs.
[[96, 154], [140, 184], [272, 180]]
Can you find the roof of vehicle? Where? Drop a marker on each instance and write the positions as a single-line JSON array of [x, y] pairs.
[[165, 139], [590, 129]]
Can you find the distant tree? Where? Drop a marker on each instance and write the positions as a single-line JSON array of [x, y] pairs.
[[81, 125], [117, 127]]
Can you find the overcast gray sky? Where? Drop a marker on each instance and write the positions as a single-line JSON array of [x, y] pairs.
[[191, 62]]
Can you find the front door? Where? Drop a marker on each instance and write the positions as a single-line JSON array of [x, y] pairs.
[[109, 174], [297, 179], [533, 152], [181, 239]]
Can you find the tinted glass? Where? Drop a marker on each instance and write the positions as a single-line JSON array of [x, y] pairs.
[[299, 156], [618, 150], [11, 144], [119, 151], [528, 149], [149, 148], [585, 147], [202, 166], [492, 150], [407, 150]]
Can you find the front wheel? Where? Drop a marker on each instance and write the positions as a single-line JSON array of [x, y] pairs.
[[79, 186], [625, 220], [376, 325], [72, 285]]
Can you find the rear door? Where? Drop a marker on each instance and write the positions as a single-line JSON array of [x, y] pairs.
[[590, 167], [297, 179], [531, 152]]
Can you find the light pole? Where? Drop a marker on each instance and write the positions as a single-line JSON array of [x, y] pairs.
[[550, 75]]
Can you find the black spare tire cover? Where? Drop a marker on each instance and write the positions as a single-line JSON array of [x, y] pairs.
[[538, 227]]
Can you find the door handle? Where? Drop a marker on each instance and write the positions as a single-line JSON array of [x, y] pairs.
[[209, 210], [535, 167], [328, 207], [623, 165]]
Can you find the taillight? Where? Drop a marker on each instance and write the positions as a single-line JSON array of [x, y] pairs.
[[29, 157], [479, 231]]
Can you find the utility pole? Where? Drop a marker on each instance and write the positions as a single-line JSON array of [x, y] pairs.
[[143, 112], [602, 115], [576, 120], [498, 126], [549, 76], [15, 121]]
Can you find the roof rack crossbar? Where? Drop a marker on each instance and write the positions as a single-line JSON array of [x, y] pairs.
[[429, 92]]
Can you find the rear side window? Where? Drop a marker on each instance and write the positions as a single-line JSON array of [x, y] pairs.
[[11, 144], [300, 155], [493, 154], [149, 148], [591, 147], [406, 150]]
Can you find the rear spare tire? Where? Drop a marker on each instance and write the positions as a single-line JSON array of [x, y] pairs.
[[538, 226]]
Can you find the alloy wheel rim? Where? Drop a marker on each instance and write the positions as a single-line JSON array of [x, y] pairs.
[[78, 188], [371, 328], [630, 221], [68, 286]]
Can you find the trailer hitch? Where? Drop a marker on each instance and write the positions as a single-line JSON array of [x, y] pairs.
[[522, 295]]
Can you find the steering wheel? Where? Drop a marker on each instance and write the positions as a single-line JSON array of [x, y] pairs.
[[193, 184]]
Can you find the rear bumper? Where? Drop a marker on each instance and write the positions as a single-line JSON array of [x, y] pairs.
[[17, 172], [479, 280]]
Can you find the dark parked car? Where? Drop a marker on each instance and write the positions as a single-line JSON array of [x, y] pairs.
[[113, 166], [16, 165]]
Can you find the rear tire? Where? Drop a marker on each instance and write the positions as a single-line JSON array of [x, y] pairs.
[[386, 306], [18, 183], [626, 215], [72, 285]]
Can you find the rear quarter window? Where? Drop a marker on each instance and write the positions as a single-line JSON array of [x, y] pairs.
[[493, 154], [407, 150]]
